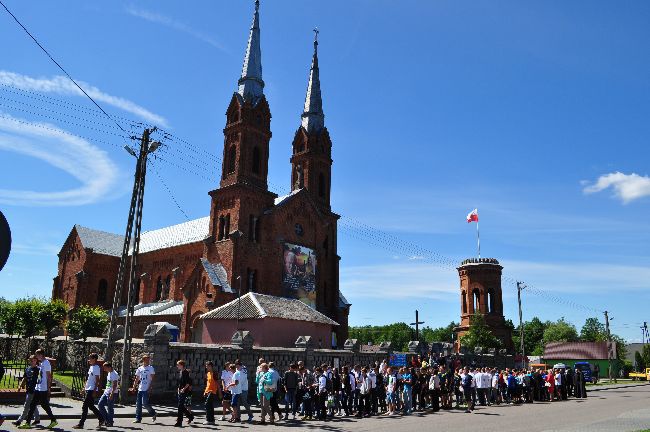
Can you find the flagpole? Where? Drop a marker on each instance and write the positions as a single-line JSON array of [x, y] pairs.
[[478, 238]]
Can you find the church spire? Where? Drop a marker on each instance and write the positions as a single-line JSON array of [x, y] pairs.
[[250, 83], [313, 119]]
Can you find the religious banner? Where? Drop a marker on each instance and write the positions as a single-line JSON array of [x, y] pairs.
[[398, 360], [299, 274]]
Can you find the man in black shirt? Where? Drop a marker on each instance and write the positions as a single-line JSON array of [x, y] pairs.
[[184, 394], [290, 383]]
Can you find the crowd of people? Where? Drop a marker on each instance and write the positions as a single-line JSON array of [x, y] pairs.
[[322, 393]]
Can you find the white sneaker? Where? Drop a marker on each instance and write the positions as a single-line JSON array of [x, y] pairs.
[[223, 418]]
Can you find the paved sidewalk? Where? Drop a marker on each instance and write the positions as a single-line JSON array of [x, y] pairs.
[[65, 408]]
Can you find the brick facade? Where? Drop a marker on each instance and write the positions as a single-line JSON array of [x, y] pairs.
[[480, 292], [248, 227]]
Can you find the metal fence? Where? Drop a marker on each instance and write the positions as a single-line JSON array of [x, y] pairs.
[[11, 373]]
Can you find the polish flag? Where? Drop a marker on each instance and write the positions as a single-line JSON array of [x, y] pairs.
[[473, 216]]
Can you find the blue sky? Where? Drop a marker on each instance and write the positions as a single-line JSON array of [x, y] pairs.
[[534, 112]]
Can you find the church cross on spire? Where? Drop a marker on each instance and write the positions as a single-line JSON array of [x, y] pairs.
[[313, 119], [250, 84]]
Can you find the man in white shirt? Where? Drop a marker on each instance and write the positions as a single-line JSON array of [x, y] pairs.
[[42, 392], [107, 401], [243, 400], [226, 379], [235, 391], [144, 376], [373, 390], [91, 388]]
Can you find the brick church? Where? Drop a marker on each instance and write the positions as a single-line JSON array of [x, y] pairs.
[[284, 247]]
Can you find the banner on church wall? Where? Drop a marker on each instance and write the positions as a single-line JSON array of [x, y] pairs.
[[299, 274]]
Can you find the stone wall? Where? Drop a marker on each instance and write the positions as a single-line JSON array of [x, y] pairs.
[[72, 354]]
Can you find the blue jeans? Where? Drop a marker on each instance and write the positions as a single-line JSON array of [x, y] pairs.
[[406, 399], [143, 400], [105, 406]]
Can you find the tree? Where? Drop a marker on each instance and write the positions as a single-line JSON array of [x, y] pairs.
[[479, 335], [52, 315], [27, 316], [533, 336], [8, 321], [593, 331], [560, 331], [645, 354], [87, 321], [440, 334], [640, 363]]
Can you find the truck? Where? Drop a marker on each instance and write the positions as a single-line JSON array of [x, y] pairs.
[[641, 376], [585, 368]]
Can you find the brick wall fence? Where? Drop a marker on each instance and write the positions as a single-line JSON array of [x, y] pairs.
[[71, 354]]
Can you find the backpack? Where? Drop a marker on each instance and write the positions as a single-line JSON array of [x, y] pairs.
[[467, 380]]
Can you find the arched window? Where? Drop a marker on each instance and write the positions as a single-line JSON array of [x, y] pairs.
[[232, 159], [222, 228], [464, 295], [257, 166], [226, 233], [102, 291], [159, 288], [490, 301], [322, 187], [477, 301], [167, 287]]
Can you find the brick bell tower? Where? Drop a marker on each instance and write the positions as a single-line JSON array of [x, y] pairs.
[[239, 203], [480, 292], [311, 162]]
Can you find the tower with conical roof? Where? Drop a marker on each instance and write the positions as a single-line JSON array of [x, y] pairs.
[[242, 197], [311, 162]]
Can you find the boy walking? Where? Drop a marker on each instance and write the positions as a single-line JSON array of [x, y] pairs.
[[29, 384], [41, 392], [91, 388], [107, 401], [144, 376]]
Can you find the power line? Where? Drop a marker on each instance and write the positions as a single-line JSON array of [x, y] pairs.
[[60, 67]]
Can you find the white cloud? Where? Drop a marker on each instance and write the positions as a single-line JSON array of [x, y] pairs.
[[98, 175], [174, 24], [63, 86], [627, 187]]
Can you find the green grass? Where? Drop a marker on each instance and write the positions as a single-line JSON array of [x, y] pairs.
[[9, 384], [64, 378]]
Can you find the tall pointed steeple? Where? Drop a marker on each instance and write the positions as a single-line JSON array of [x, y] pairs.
[[250, 84], [313, 119]]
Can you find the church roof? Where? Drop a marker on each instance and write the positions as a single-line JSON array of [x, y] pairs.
[[343, 302], [100, 241], [217, 274], [259, 306], [250, 84], [313, 119], [176, 235], [282, 199]]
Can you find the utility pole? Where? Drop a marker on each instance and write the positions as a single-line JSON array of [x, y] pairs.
[[133, 229], [609, 347], [520, 287], [417, 325]]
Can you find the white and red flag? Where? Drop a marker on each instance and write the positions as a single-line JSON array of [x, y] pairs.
[[472, 216]]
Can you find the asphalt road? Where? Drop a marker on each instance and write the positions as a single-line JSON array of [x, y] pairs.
[[614, 409]]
